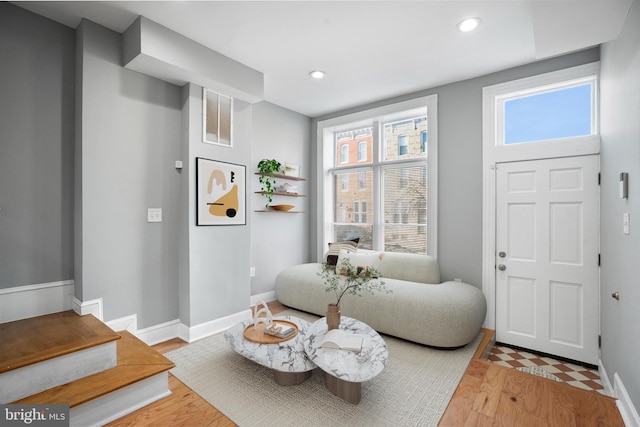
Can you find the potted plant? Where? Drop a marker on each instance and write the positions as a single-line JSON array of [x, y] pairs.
[[267, 168], [348, 280]]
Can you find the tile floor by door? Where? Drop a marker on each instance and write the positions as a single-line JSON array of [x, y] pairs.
[[576, 375]]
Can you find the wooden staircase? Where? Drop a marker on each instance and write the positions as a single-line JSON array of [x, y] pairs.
[[64, 358]]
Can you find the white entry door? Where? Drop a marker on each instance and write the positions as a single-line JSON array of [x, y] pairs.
[[547, 245]]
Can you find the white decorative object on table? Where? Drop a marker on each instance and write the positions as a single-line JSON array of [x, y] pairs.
[[267, 319]]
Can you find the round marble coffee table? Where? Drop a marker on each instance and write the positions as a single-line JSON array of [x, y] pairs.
[[346, 370], [287, 359]]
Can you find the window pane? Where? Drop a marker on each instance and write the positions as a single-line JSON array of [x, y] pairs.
[[353, 216], [362, 181], [344, 154], [405, 207], [403, 145], [424, 139], [354, 146], [409, 239], [351, 231], [362, 151], [560, 113], [404, 138]]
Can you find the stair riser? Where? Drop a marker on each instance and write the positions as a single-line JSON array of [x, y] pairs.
[[20, 383], [121, 402]]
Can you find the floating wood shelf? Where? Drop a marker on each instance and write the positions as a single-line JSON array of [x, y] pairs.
[[275, 211], [283, 176], [282, 193]]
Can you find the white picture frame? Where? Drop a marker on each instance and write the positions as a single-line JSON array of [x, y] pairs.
[[291, 169]]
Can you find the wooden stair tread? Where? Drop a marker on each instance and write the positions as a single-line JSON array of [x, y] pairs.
[[136, 361], [29, 341]]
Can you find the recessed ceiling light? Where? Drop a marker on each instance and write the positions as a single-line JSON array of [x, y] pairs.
[[468, 24], [317, 74]]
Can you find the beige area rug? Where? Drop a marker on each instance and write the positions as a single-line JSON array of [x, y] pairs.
[[413, 390]]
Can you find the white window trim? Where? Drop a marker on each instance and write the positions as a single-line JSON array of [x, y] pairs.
[[494, 153], [327, 129]]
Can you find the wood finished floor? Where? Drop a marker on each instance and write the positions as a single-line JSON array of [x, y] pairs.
[[488, 395]]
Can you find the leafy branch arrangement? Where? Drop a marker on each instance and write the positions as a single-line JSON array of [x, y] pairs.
[[353, 281], [267, 168]]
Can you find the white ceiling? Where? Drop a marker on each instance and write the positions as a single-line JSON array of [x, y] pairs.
[[371, 50]]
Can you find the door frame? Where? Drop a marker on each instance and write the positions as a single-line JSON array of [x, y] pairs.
[[493, 153]]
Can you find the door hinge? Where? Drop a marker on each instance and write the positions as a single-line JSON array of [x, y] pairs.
[[599, 341], [599, 178], [598, 260]]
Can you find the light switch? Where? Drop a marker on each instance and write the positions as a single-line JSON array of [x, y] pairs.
[[625, 223], [154, 215]]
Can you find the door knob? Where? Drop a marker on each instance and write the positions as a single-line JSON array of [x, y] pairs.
[[502, 254], [502, 267]]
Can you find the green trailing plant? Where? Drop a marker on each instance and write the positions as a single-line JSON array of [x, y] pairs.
[[352, 280], [267, 168]]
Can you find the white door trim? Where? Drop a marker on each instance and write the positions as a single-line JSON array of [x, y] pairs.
[[493, 154]]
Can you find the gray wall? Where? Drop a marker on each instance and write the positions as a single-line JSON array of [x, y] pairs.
[[129, 130], [278, 240], [36, 148], [217, 264], [130, 138], [620, 129], [460, 163]]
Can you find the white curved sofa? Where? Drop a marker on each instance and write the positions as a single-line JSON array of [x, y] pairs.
[[419, 307]]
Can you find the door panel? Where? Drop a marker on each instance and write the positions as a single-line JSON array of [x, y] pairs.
[[547, 283]]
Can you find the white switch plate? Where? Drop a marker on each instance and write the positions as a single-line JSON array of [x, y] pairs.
[[154, 215], [625, 223], [252, 272]]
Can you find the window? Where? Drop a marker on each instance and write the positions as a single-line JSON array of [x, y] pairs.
[[403, 179], [360, 211], [424, 138], [342, 212], [362, 181], [344, 182], [344, 153], [383, 201], [362, 151], [553, 114], [549, 115], [403, 145]]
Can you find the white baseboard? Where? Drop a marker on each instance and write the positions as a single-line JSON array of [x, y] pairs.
[[93, 306], [36, 300], [625, 405], [266, 297], [174, 329], [203, 330], [160, 333], [18, 302], [604, 378], [127, 323]]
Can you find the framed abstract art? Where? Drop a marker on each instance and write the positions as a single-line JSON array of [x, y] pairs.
[[220, 193]]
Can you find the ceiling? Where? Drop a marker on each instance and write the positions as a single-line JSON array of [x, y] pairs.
[[370, 50]]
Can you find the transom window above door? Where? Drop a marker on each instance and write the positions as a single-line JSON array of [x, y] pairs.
[[545, 116]]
